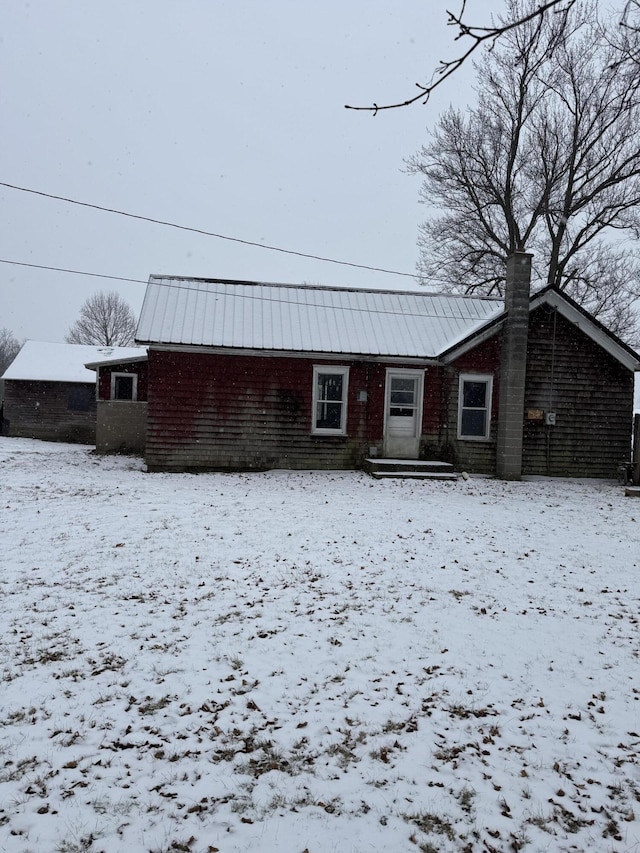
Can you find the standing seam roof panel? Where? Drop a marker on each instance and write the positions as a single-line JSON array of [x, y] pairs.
[[261, 316]]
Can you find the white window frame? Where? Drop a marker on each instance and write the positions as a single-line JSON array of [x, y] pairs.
[[319, 369], [134, 389], [487, 379]]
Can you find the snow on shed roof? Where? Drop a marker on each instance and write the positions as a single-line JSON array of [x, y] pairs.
[[307, 318], [47, 362]]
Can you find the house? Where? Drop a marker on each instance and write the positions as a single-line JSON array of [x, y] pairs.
[[49, 393], [245, 375]]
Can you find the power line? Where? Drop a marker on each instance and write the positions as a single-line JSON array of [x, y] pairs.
[[73, 272], [349, 308], [205, 233], [113, 277], [189, 287]]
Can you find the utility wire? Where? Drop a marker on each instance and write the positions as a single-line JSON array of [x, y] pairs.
[[73, 272], [205, 233], [161, 281]]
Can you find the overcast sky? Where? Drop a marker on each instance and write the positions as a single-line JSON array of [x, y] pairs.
[[221, 115]]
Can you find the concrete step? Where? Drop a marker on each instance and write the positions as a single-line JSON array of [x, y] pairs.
[[411, 469], [411, 475]]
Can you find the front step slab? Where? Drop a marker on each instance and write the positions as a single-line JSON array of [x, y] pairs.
[[413, 469], [411, 475]]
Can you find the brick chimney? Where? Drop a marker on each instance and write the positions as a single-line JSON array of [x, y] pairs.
[[513, 367]]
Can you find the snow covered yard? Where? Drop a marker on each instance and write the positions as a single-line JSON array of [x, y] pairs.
[[297, 661]]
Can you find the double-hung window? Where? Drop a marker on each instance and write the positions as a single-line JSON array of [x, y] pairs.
[[474, 406], [330, 400]]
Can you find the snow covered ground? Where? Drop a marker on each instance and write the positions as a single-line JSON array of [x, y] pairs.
[[296, 661]]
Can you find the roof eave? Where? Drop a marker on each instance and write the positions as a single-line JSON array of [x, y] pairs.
[[473, 340], [284, 353], [88, 381], [93, 365]]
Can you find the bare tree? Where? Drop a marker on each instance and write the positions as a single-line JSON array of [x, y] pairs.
[[474, 37], [9, 349], [105, 318], [548, 160]]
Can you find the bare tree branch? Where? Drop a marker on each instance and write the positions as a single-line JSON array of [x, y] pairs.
[[479, 36]]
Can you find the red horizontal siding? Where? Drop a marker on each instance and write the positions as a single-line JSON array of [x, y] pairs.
[[230, 411], [141, 368], [475, 456], [216, 411]]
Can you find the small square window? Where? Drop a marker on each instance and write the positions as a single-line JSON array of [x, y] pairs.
[[124, 386], [330, 400], [474, 406], [81, 399]]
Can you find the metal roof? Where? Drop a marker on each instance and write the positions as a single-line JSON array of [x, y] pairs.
[[307, 318]]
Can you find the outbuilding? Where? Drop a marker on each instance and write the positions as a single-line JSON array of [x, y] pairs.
[[49, 393]]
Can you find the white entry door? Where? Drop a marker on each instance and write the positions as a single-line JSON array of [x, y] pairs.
[[403, 413]]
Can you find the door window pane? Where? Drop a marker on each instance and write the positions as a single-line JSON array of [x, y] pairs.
[[402, 397]]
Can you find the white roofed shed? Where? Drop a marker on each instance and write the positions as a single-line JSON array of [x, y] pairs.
[[41, 361]]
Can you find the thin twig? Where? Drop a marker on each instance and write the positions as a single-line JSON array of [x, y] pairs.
[[479, 36]]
